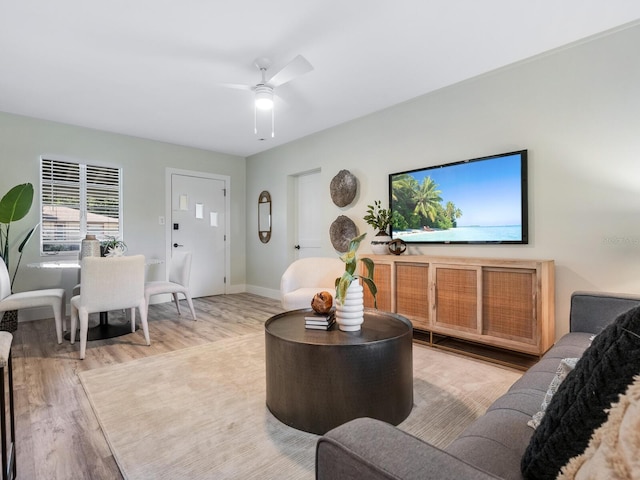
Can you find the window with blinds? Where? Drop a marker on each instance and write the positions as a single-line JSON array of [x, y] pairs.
[[78, 199]]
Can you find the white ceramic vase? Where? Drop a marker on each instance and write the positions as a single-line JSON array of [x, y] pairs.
[[350, 315], [89, 247], [380, 244]]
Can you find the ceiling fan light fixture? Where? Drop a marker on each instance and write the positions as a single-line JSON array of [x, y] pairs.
[[264, 97]]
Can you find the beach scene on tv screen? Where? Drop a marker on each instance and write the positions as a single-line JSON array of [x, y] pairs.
[[476, 201]]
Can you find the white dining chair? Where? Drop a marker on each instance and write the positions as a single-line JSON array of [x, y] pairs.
[[179, 274], [50, 297], [110, 283]]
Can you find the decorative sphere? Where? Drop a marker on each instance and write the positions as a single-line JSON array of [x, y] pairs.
[[322, 302], [397, 246]]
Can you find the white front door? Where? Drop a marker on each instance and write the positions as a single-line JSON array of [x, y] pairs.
[[198, 224], [309, 231]]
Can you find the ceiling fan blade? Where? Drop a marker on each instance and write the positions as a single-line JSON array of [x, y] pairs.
[[237, 86], [296, 67]]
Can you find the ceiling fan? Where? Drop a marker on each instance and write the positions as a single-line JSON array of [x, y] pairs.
[[264, 90]]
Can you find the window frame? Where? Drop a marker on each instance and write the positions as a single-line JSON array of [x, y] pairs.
[[84, 187]]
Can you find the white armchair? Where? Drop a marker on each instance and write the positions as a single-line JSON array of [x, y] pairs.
[[306, 277]]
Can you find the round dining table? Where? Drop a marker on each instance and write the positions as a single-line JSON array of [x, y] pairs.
[[103, 329]]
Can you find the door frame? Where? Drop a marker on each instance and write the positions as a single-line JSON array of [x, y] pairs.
[[227, 210]]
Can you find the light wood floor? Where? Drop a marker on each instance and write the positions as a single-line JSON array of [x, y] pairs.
[[58, 436]]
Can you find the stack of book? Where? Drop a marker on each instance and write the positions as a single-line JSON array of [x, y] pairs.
[[320, 321]]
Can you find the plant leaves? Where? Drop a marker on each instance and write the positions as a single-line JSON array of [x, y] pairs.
[[351, 262], [370, 266], [355, 242], [341, 286], [27, 238], [373, 289], [16, 203]]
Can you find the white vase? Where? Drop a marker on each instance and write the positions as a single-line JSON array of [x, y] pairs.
[[380, 244], [350, 314], [89, 247]]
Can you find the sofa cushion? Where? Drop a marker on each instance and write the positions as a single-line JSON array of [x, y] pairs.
[[495, 442], [578, 408], [525, 400], [540, 375], [575, 341], [593, 311]]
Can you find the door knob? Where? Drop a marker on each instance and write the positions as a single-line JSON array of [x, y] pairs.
[[176, 245], [297, 247]]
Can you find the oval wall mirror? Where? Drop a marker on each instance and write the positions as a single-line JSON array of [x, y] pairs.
[[264, 217]]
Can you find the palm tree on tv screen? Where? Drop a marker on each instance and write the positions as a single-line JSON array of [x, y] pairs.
[[416, 205], [427, 198], [453, 213]]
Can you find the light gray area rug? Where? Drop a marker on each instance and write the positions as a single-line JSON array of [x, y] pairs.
[[200, 412]]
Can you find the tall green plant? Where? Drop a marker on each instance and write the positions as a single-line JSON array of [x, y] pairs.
[[350, 260], [14, 206]]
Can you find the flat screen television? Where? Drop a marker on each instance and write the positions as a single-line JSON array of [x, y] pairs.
[[482, 200]]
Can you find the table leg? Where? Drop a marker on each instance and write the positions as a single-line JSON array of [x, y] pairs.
[[105, 330]]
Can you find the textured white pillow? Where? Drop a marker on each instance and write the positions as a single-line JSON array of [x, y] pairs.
[[566, 365], [613, 450]]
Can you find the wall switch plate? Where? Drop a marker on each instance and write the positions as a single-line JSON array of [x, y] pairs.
[[161, 220]]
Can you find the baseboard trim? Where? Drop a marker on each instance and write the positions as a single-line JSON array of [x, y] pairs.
[[264, 292]]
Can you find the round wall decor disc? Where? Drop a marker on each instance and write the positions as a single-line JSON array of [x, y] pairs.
[[341, 232], [343, 188]]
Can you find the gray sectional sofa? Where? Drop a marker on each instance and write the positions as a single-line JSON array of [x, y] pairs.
[[491, 447]]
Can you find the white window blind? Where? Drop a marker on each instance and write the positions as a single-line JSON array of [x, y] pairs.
[[78, 199]]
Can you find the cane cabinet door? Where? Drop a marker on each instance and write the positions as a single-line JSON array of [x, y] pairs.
[[412, 293], [456, 298], [509, 304]]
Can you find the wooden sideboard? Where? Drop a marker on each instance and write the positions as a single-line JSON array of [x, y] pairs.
[[504, 305]]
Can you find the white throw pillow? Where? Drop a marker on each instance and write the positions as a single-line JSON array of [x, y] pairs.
[[566, 365]]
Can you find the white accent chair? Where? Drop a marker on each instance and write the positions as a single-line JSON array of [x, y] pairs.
[[179, 274], [306, 277], [111, 283], [51, 297]]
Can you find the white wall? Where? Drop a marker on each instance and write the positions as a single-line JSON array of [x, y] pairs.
[[23, 140], [577, 112]]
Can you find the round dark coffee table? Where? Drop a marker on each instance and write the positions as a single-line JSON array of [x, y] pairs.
[[317, 380]]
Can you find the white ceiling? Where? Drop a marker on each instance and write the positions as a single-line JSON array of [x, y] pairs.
[[154, 68]]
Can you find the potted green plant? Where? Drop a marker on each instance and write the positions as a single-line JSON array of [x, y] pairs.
[[380, 219], [14, 206], [350, 259], [350, 311], [112, 247]]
